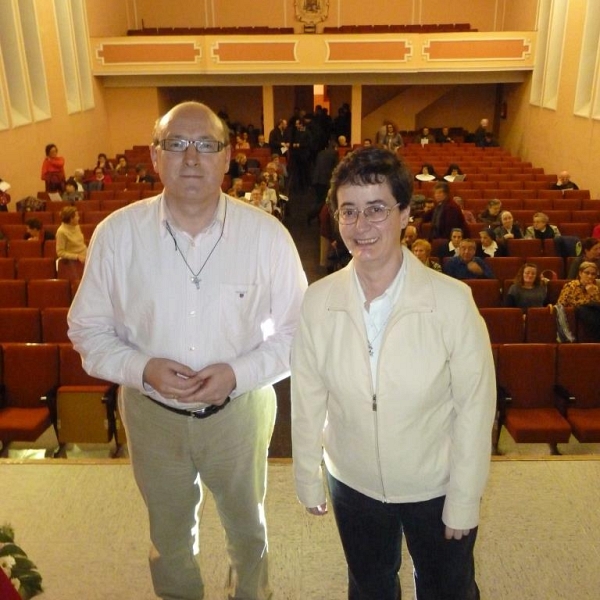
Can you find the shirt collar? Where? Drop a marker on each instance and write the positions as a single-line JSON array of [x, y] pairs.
[[164, 215]]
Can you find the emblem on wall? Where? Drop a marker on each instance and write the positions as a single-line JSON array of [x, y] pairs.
[[311, 12]]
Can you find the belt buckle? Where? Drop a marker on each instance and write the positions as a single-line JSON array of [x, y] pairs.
[[207, 411]]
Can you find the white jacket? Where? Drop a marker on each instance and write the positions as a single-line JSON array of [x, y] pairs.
[[426, 430]]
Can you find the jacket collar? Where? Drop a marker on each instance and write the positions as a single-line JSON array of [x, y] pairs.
[[417, 295]]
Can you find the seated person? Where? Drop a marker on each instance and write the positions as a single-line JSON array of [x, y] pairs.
[[425, 137], [367, 142], [237, 188], [142, 175], [269, 197], [261, 142], [342, 142], [69, 239], [467, 214], [34, 233], [97, 184], [78, 176], [422, 250], [257, 199], [488, 245], [590, 252], [489, 141], [583, 294], [491, 215], [443, 137], [507, 229], [427, 173], [409, 236], [104, 164], [237, 166], [541, 228], [528, 289], [71, 193], [563, 182], [122, 167], [456, 237], [466, 265], [242, 142], [452, 172]]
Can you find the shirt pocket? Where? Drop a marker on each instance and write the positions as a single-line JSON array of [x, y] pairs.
[[240, 310]]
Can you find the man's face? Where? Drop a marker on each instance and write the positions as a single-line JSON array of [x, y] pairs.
[[456, 237], [191, 176], [494, 209], [466, 251], [507, 220], [539, 223], [410, 235], [438, 195], [593, 253]]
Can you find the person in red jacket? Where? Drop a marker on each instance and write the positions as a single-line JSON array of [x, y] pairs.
[[446, 214], [53, 170]]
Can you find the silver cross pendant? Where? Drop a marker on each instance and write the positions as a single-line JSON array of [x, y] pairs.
[[196, 280]]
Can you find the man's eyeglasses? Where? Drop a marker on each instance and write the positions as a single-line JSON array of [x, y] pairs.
[[202, 146], [375, 213]]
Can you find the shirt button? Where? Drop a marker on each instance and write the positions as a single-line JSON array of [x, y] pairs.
[[192, 313], [192, 348]]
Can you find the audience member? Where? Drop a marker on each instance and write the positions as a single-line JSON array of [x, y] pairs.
[[324, 165], [342, 142], [34, 231], [446, 215], [443, 136], [563, 182], [528, 289], [53, 170], [257, 199], [488, 245], [78, 176], [491, 215], [582, 290], [237, 166], [507, 229], [278, 139], [425, 137], [104, 164], [541, 228], [269, 198], [122, 167], [4, 196], [422, 250], [409, 236], [596, 231], [427, 173], [260, 142], [590, 252], [481, 132], [300, 157], [466, 265], [367, 142], [97, 184], [451, 249], [467, 214], [142, 175], [392, 140], [237, 188], [69, 239], [72, 194], [242, 142], [453, 172]]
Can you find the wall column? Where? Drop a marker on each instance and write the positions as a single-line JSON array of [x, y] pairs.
[[356, 104], [268, 109]]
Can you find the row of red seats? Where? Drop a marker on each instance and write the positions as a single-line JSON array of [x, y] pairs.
[[34, 325], [37, 293], [39, 268], [44, 385], [542, 397]]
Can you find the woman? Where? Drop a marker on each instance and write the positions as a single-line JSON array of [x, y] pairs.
[[528, 290], [508, 229], [427, 173], [453, 171], [402, 420], [582, 290], [53, 170], [69, 239], [392, 140], [583, 294], [541, 228], [488, 246], [590, 251], [104, 164], [422, 250], [491, 214], [71, 193]]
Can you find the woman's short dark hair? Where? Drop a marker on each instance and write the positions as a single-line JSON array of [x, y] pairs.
[[49, 147], [588, 243], [372, 166]]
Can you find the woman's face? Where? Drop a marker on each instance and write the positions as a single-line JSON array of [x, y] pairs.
[[53, 152], [421, 253], [425, 171], [494, 209], [588, 275], [529, 275], [456, 237], [507, 220], [485, 238], [593, 253]]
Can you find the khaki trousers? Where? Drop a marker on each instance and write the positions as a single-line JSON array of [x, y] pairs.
[[172, 455]]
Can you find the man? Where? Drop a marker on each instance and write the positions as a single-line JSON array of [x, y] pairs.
[[410, 235], [446, 216], [541, 228], [142, 175], [466, 265], [278, 140], [404, 428], [186, 305], [480, 133], [563, 182], [590, 252]]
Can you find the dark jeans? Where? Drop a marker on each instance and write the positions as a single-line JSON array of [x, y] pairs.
[[371, 534]]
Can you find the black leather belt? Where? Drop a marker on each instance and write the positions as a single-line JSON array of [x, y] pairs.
[[201, 413]]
